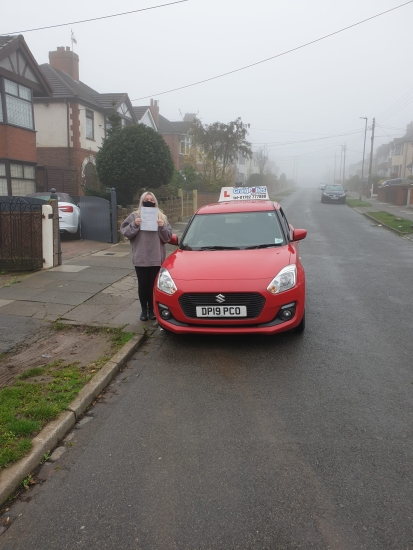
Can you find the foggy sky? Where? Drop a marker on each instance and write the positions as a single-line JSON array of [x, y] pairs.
[[311, 93]]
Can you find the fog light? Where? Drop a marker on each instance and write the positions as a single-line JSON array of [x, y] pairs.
[[287, 311], [164, 312], [286, 314]]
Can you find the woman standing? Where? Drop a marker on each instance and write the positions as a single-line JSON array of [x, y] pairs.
[[148, 251]]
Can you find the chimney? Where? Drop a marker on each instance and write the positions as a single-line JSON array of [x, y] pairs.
[[65, 60], [154, 108]]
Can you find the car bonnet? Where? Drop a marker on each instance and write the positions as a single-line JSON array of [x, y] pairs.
[[185, 265]]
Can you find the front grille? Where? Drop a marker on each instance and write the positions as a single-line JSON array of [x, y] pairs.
[[254, 302]]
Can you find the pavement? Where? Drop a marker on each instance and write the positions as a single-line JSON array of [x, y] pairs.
[[95, 285]]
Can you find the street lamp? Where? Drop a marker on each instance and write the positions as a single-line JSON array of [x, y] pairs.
[[364, 150]]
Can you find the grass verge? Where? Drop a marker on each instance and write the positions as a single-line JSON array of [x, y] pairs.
[[355, 202], [400, 224], [280, 195], [38, 396]]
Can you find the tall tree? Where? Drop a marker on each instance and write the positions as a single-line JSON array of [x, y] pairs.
[[261, 157], [221, 143], [133, 158]]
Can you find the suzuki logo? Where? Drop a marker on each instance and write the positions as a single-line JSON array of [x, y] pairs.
[[220, 298]]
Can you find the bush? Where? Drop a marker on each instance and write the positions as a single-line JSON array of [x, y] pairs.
[[135, 157]]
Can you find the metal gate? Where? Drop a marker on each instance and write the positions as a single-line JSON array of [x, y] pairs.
[[21, 234], [98, 218]]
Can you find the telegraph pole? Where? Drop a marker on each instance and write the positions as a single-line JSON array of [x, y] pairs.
[[364, 151], [334, 175], [344, 162], [371, 155], [341, 162]]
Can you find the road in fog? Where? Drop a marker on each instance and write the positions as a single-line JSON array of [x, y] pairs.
[[286, 442]]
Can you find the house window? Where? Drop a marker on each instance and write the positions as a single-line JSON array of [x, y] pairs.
[[3, 180], [23, 180], [19, 109], [90, 134], [185, 145]]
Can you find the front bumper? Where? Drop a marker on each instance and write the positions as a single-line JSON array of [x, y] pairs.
[[338, 200], [267, 322]]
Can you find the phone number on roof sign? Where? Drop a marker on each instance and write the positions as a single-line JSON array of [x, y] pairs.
[[249, 190], [249, 197]]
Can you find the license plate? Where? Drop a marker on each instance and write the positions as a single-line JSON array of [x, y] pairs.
[[221, 311], [334, 198]]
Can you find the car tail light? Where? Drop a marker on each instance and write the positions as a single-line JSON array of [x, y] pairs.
[[66, 208]]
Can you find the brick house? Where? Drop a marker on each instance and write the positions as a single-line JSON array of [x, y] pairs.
[[72, 124], [21, 81], [177, 136]]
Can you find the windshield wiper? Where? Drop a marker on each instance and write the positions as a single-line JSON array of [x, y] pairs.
[[263, 246], [220, 248]]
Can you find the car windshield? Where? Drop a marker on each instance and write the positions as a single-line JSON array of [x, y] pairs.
[[235, 230], [336, 188]]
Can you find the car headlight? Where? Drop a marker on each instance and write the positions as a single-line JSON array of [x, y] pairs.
[[165, 282], [285, 280]]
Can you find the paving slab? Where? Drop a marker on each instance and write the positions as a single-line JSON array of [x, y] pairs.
[[84, 314], [61, 296], [102, 275], [110, 262], [17, 292], [69, 268], [38, 310], [73, 286]]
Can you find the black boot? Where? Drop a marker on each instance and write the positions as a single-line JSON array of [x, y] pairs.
[[152, 315], [144, 315]]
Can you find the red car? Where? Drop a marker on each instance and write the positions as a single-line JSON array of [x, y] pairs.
[[236, 270]]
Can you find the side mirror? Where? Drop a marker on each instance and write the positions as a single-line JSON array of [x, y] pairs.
[[299, 234], [346, 191], [174, 240]]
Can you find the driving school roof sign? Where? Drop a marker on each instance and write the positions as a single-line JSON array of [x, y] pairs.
[[243, 193]]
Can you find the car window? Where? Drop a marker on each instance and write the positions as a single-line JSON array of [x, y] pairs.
[[335, 188], [233, 230]]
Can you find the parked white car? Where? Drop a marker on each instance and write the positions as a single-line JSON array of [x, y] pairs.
[[69, 212]]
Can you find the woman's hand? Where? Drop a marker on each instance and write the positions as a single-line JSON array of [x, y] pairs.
[[161, 223], [138, 221]]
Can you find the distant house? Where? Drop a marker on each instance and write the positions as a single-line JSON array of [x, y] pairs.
[[401, 155], [21, 82], [72, 124], [177, 136], [148, 115]]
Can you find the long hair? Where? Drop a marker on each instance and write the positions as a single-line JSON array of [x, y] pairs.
[[161, 215]]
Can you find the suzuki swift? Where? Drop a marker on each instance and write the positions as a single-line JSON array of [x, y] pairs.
[[236, 270]]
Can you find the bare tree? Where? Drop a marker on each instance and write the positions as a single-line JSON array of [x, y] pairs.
[[261, 157]]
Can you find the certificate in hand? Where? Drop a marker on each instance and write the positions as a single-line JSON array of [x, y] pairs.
[[149, 219]]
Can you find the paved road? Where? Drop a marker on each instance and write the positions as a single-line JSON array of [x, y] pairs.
[[296, 441]]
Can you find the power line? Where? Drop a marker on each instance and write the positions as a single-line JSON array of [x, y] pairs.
[[395, 103], [277, 55], [275, 143], [97, 18]]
